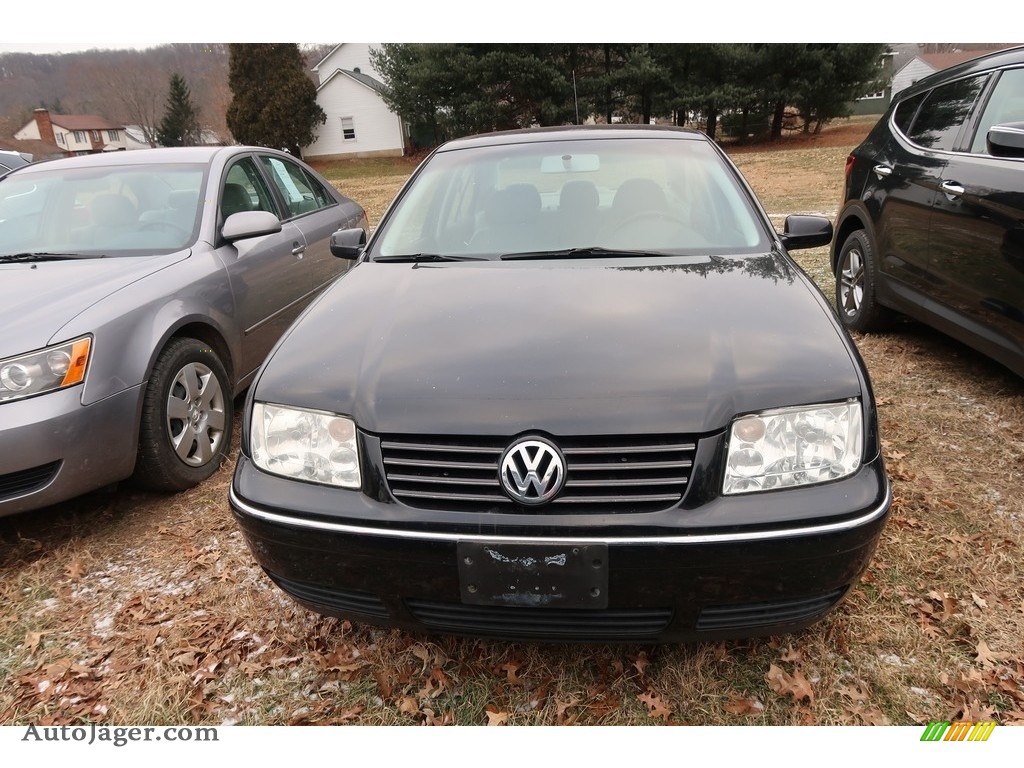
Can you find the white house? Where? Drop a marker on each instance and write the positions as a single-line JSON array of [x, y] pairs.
[[925, 64], [73, 134], [359, 122]]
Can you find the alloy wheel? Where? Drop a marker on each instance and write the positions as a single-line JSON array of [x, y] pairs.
[[196, 414], [851, 282]]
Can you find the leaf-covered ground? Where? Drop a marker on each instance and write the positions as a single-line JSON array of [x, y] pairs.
[[128, 608]]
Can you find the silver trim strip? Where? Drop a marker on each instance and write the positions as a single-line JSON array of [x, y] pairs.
[[713, 538]]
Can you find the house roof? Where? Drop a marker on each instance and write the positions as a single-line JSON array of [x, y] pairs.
[[84, 123], [940, 61], [325, 58], [360, 77], [38, 149]]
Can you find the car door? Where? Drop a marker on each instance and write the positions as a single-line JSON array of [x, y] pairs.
[[977, 230], [316, 212], [909, 171], [269, 276]]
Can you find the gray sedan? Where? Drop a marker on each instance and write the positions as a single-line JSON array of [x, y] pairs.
[[139, 293]]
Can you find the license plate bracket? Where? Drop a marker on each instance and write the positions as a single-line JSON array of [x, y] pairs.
[[533, 575]]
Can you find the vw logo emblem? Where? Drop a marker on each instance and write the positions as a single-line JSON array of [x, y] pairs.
[[532, 471]]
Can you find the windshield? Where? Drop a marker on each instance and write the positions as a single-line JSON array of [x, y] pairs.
[[101, 211], [578, 198]]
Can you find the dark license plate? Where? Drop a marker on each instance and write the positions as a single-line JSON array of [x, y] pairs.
[[533, 575]]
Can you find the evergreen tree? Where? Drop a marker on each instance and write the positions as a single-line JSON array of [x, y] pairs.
[[180, 124], [273, 102]]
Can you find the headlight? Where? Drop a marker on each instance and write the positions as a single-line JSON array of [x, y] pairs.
[[47, 369], [305, 445], [793, 446]]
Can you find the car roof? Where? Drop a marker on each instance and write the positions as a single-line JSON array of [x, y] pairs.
[[573, 133], [155, 155], [995, 60]]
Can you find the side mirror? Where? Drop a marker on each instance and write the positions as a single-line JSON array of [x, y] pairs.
[[348, 243], [806, 232], [244, 224], [1006, 140]]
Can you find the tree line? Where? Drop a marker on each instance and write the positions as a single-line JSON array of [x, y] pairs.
[[451, 89]]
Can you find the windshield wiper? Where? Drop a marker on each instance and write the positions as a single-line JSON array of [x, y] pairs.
[[44, 256], [417, 258], [573, 253]]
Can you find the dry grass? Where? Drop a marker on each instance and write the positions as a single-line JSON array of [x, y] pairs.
[[132, 608]]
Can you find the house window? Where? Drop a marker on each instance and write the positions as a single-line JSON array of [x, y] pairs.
[[79, 137], [60, 138], [112, 136], [875, 95], [348, 129], [95, 135]]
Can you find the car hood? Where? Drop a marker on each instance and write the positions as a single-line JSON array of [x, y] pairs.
[[594, 347], [38, 299]]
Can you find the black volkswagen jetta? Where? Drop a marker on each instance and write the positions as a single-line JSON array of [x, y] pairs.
[[573, 388]]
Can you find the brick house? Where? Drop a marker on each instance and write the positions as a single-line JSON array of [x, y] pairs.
[[74, 134]]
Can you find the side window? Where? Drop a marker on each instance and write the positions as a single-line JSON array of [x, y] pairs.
[[1006, 105], [245, 190], [943, 113], [301, 194], [905, 112]]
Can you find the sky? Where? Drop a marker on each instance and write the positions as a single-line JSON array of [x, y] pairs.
[[67, 31]]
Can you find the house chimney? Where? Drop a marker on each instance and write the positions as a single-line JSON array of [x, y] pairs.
[[42, 117]]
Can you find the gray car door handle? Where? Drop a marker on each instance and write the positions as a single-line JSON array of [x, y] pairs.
[[298, 249], [951, 189], [881, 171]]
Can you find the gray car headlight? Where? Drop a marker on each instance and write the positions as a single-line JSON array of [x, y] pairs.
[[793, 446], [46, 370], [306, 445]]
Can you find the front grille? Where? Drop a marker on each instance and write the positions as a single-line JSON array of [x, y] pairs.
[[603, 474], [542, 623], [27, 480], [335, 599], [753, 615]]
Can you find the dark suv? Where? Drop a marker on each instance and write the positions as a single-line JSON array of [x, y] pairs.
[[932, 223]]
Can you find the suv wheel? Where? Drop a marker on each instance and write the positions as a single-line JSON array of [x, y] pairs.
[[856, 275]]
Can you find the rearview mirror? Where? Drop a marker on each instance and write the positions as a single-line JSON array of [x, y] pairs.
[[244, 224], [348, 243], [806, 232], [1006, 140]]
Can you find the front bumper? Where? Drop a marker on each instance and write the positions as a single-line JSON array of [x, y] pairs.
[[670, 577], [53, 448]]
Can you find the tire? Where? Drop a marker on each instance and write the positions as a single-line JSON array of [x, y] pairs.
[[856, 285], [185, 431]]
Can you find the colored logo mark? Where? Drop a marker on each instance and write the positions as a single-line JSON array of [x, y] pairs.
[[958, 730]]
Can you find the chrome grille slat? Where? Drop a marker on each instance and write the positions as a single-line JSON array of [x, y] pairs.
[[604, 474], [632, 465], [624, 482], [440, 464], [628, 449]]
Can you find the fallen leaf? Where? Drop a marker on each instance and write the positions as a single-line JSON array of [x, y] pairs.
[[794, 685], [75, 569], [656, 707], [494, 716], [32, 640], [978, 601], [510, 672], [641, 663], [742, 705], [987, 657]]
